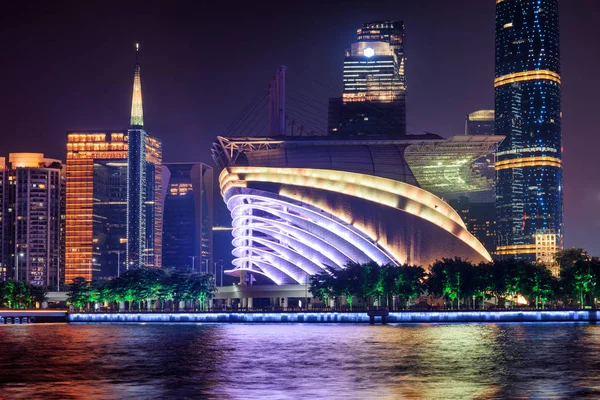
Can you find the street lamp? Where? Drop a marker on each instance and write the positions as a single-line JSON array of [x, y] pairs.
[[118, 253], [17, 255], [193, 262]]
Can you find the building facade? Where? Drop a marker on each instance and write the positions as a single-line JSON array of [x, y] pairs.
[[528, 112], [188, 217], [144, 188], [480, 218], [480, 123], [373, 101], [300, 205], [96, 204], [32, 192], [113, 198]]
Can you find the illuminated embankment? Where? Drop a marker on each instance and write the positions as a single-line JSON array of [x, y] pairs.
[[341, 317]]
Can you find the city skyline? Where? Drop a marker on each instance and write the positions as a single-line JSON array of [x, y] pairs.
[[432, 99]]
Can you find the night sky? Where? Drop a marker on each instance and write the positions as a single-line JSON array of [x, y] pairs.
[[69, 65]]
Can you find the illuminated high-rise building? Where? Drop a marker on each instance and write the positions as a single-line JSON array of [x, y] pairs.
[[373, 101], [528, 112], [144, 187], [96, 204], [480, 123], [98, 191], [188, 216], [32, 191]]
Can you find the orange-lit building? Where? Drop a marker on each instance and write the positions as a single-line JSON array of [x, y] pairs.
[[96, 204], [96, 201]]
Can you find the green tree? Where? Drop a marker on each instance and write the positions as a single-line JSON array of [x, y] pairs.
[[540, 285], [568, 257], [202, 289], [410, 282], [38, 293], [7, 293], [77, 294], [580, 279], [321, 285], [445, 278]]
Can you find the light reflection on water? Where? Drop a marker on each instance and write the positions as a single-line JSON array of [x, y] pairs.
[[537, 360]]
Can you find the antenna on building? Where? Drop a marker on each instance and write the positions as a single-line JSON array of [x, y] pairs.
[[137, 51]]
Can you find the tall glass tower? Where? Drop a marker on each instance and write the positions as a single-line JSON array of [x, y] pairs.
[[373, 101], [528, 112], [144, 187]]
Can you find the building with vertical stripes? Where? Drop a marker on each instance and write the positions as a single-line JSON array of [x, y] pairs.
[[527, 84]]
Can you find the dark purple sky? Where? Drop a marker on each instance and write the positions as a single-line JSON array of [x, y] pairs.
[[69, 65]]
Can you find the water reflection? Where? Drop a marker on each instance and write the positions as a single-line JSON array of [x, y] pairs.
[[300, 360]]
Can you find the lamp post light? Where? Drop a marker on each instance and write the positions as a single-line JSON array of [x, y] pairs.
[[193, 262], [118, 253], [17, 255]]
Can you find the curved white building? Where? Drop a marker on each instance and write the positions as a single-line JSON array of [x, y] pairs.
[[300, 205]]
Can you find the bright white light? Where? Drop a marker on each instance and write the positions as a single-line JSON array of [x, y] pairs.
[[369, 52]]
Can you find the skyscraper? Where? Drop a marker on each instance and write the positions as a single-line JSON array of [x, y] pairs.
[[480, 123], [144, 187], [373, 101], [103, 175], [188, 216], [96, 202], [528, 112], [31, 219]]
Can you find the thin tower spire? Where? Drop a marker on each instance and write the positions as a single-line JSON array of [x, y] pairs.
[[137, 110]]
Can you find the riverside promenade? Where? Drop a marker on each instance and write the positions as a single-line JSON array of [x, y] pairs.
[[339, 317], [32, 316]]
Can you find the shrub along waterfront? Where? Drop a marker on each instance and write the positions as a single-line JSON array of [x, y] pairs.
[[16, 294], [456, 283], [140, 288]]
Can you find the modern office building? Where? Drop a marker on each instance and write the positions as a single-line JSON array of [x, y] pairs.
[[188, 217], [96, 204], [99, 188], [300, 204], [528, 112], [144, 187], [32, 191], [373, 101], [480, 123], [480, 219]]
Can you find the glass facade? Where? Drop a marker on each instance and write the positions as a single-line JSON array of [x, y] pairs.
[[528, 112], [480, 218], [96, 193], [188, 216], [109, 218], [373, 101], [144, 188], [480, 123]]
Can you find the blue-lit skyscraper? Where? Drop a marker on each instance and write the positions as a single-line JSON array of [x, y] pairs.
[[528, 112], [144, 189]]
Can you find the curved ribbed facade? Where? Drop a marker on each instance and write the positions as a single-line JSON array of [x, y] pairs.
[[528, 112], [290, 223]]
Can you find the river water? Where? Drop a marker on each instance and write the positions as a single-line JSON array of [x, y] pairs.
[[300, 361]]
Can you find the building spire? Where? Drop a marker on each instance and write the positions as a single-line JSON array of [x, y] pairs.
[[137, 111]]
